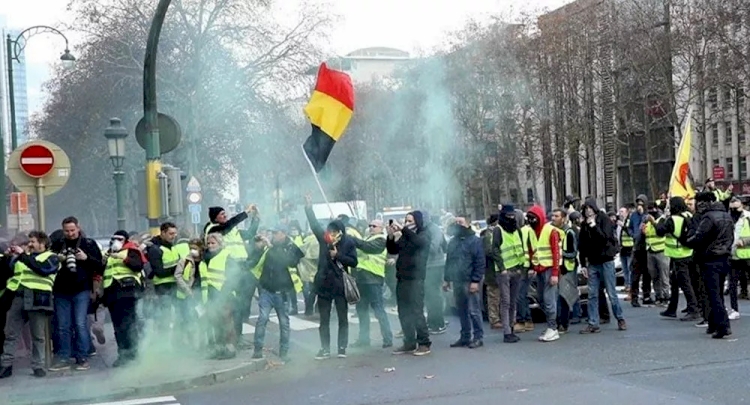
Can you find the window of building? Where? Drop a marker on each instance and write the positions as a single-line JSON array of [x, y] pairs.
[[712, 98], [728, 133], [715, 163], [741, 135], [715, 134], [727, 97], [730, 168], [743, 167], [741, 100]]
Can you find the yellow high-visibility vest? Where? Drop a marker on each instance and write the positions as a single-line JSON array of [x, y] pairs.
[[673, 249], [655, 244], [258, 270], [529, 244], [117, 270], [743, 252], [232, 242], [626, 240], [213, 274], [169, 260], [186, 276], [24, 276], [372, 262], [511, 249], [543, 253]]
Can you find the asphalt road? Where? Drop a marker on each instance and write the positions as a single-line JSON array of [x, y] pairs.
[[655, 361]]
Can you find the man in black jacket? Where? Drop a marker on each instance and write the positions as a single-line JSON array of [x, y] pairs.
[[597, 249], [711, 237], [412, 245], [81, 262], [275, 281]]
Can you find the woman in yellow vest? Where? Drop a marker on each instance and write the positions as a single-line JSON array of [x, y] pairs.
[[123, 284], [34, 270], [187, 275], [217, 291]]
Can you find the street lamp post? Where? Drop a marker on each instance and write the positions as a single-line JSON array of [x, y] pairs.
[[13, 49], [116, 134]]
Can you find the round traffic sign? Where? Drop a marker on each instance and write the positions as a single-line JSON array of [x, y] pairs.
[[37, 161], [53, 181], [194, 198]]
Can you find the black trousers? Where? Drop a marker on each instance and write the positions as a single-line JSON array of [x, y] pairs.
[[325, 305], [244, 303], [5, 302], [699, 288], [125, 323], [410, 300], [679, 279], [713, 273], [640, 277]]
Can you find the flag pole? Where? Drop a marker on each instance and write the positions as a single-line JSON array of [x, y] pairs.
[[317, 180]]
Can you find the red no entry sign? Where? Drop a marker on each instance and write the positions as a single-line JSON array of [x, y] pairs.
[[37, 161]]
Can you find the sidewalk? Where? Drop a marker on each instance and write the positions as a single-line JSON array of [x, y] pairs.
[[153, 374]]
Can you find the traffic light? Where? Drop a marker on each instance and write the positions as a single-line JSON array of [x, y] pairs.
[[174, 192]]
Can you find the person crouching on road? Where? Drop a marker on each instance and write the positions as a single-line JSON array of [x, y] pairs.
[[217, 289], [464, 269], [274, 282], [123, 285], [188, 277], [34, 269], [508, 254]]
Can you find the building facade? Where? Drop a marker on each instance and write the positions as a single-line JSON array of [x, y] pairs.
[[20, 90], [368, 64]]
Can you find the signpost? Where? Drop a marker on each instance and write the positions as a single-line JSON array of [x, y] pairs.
[[719, 173], [38, 167], [194, 198]]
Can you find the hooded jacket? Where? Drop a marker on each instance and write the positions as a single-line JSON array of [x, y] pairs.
[[413, 249], [711, 233], [275, 276], [636, 219], [597, 242], [554, 239], [329, 279]]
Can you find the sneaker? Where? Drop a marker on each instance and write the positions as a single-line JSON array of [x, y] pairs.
[[475, 344], [39, 373], [323, 354], [588, 330], [635, 304], [437, 331], [648, 301], [257, 355], [621, 325], [562, 330], [733, 315], [722, 334], [519, 328], [342, 353], [529, 326], [460, 343], [399, 334], [404, 350], [82, 366], [702, 324], [60, 366], [668, 314], [690, 317], [6, 372], [422, 350], [511, 338], [550, 335]]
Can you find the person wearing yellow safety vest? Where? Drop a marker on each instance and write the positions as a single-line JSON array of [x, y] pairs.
[[597, 247], [721, 196], [492, 289], [163, 258], [234, 238], [6, 272], [218, 285], [658, 262], [740, 259], [34, 270], [568, 285], [546, 267], [187, 274], [123, 285], [627, 242], [370, 275], [674, 230], [509, 259], [307, 268], [275, 280], [523, 321]]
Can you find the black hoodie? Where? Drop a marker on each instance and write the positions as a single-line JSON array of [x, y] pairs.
[[329, 280], [412, 249], [597, 244], [711, 233]]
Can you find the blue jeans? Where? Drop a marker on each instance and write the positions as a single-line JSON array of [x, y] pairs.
[[547, 295], [71, 312], [523, 312], [605, 273], [371, 296], [469, 307], [627, 271], [269, 300]]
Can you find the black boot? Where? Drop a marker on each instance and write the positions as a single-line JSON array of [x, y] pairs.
[[6, 372]]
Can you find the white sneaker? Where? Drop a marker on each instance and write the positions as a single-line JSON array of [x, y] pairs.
[[550, 335], [733, 315]]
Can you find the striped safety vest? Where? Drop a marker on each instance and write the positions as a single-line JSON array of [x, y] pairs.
[[24, 276]]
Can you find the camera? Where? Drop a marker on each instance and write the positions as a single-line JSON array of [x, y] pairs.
[[70, 259]]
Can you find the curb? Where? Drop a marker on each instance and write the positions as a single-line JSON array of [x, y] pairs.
[[216, 377]]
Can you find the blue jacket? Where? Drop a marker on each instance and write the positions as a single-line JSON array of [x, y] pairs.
[[465, 261]]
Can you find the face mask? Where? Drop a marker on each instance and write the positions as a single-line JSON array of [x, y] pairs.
[[116, 245], [194, 252]]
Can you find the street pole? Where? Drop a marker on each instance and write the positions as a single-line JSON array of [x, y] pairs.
[[40, 205], [150, 112], [11, 95], [119, 177]]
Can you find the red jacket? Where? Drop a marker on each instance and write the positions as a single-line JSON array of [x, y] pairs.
[[554, 241]]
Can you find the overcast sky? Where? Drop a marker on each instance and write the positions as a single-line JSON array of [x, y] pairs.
[[411, 25]]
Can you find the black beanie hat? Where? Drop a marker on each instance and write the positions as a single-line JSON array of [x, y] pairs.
[[214, 212], [122, 233]]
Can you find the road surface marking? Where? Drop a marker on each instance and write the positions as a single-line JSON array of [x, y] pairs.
[[143, 401]]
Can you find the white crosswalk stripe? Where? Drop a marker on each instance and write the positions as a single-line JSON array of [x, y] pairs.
[[298, 323], [144, 401]]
